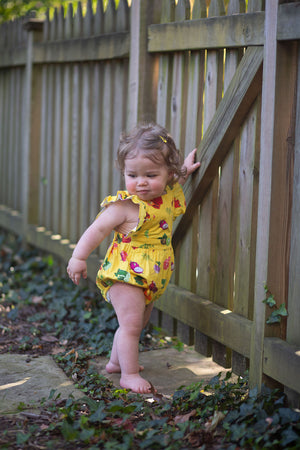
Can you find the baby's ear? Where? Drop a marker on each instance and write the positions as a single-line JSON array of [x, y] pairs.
[[171, 176]]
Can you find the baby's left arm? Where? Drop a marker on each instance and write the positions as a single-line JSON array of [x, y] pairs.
[[190, 165]]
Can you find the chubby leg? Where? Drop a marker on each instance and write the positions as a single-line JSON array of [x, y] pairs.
[[147, 313], [113, 366], [129, 304]]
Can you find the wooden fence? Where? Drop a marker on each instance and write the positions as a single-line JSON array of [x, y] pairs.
[[223, 79]]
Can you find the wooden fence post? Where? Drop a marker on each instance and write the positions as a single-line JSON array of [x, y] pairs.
[[30, 129], [142, 83], [264, 195]]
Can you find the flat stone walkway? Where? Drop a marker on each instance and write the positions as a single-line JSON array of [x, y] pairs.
[[168, 369], [27, 381]]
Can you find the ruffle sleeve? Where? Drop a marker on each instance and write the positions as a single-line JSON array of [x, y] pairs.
[[124, 195], [179, 205]]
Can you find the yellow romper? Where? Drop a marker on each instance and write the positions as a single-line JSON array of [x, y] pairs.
[[144, 257]]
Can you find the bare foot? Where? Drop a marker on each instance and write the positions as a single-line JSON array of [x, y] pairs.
[[115, 368], [135, 383]]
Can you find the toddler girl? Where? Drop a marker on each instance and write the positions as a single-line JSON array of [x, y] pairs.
[[139, 262]]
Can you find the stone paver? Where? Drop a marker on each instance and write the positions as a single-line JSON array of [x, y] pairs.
[[168, 369], [29, 382]]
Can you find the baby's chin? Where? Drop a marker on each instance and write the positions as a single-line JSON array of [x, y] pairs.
[[147, 197]]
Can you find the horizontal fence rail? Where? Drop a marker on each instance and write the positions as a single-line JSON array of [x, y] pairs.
[[70, 84]]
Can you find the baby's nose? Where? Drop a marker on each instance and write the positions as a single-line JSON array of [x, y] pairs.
[[142, 181]]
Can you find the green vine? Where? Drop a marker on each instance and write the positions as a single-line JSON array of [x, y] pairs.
[[277, 314]]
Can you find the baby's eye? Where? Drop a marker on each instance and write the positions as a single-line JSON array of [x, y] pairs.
[[151, 175], [131, 175]]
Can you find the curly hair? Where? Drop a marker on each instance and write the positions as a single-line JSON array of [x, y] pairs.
[[156, 144]]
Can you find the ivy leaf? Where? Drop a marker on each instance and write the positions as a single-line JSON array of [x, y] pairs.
[[274, 318], [276, 315], [270, 301], [69, 432], [288, 415], [282, 310], [22, 438], [289, 436]]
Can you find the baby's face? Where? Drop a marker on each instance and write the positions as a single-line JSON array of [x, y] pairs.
[[145, 178]]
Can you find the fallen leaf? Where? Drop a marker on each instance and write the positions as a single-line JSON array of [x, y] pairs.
[[156, 395], [70, 352], [214, 421], [37, 299], [57, 350], [184, 417], [49, 338]]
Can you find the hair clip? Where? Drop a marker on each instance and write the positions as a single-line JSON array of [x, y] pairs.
[[163, 139]]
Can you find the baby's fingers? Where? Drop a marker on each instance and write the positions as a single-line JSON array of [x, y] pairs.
[[76, 278], [84, 274]]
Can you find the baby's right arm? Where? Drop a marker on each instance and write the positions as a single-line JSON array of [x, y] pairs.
[[112, 217]]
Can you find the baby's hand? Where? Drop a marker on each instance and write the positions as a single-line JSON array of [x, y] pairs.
[[77, 268], [190, 163]]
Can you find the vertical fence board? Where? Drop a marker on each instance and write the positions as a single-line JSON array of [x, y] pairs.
[[74, 184], [120, 98], [119, 112], [232, 58], [78, 22], [66, 151], [18, 140], [188, 251], [60, 24], [106, 142], [255, 5], [94, 180], [163, 91], [293, 330], [57, 151], [88, 20], [10, 143], [223, 231], [84, 150], [245, 207], [281, 200], [68, 25], [5, 138], [267, 130], [213, 94], [195, 82], [2, 127], [141, 99], [98, 19], [49, 150], [43, 140], [177, 129], [33, 188], [179, 73]]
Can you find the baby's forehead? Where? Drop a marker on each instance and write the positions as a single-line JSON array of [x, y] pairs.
[[153, 155], [147, 160]]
